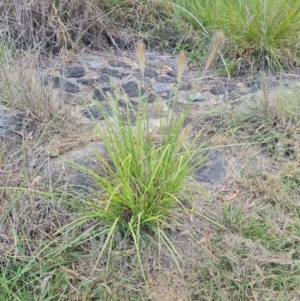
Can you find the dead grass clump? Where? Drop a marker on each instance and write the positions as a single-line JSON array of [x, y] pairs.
[[47, 23]]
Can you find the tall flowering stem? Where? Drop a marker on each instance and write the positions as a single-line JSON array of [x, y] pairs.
[[141, 54], [180, 66]]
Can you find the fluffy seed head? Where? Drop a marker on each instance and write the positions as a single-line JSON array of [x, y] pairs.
[[180, 65], [218, 41], [141, 51]]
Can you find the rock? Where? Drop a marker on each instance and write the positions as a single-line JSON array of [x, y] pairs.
[[165, 79], [149, 72], [11, 122], [185, 87], [254, 85], [73, 71], [87, 58], [130, 103], [221, 89], [213, 172], [65, 85], [95, 65], [94, 112], [114, 72], [63, 172], [103, 79], [119, 64], [172, 73], [167, 95], [197, 97], [150, 98], [100, 94], [132, 89], [160, 88]]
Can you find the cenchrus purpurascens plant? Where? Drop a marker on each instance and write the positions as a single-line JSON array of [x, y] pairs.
[[145, 172]]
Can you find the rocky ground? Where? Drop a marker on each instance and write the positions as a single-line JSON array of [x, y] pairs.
[[80, 81]]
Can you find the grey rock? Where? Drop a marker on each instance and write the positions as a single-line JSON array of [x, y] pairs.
[[197, 97], [165, 79], [254, 85], [95, 112], [73, 71], [100, 94], [114, 72], [185, 87], [167, 95], [95, 65], [221, 89], [11, 121], [63, 171], [150, 98], [87, 58], [86, 81], [149, 72], [132, 89], [172, 73], [119, 64], [131, 104], [59, 82], [213, 172], [103, 79], [160, 88]]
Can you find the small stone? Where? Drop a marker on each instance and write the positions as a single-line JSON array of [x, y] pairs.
[[221, 89], [213, 172], [149, 72], [166, 95], [95, 65], [165, 79], [113, 72], [132, 89], [171, 73], [185, 87], [100, 94], [85, 81], [254, 85], [231, 97], [94, 112], [119, 64], [103, 79], [11, 122], [197, 97], [73, 71], [160, 88], [150, 98], [131, 103], [87, 58], [65, 85]]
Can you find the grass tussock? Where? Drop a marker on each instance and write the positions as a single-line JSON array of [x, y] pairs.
[[144, 175]]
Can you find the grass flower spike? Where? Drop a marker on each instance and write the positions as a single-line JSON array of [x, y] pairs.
[[141, 56], [217, 43], [180, 66]]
